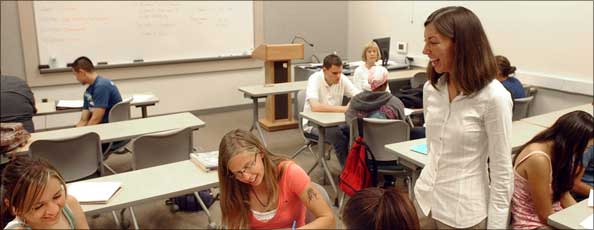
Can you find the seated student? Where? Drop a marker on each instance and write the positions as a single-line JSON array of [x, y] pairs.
[[377, 208], [377, 103], [362, 73], [264, 190], [512, 84], [545, 167], [584, 182], [324, 93], [100, 96], [18, 103], [35, 192]]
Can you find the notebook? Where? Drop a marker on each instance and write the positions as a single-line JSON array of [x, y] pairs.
[[206, 161], [93, 192], [69, 104], [422, 148]]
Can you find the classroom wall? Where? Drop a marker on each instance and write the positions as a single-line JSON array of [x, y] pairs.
[[322, 23], [11, 53], [549, 42]]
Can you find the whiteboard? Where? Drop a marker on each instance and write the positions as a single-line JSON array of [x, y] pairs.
[[119, 32]]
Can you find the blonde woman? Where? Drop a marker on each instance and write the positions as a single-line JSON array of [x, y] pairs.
[[35, 192], [370, 56], [263, 190]]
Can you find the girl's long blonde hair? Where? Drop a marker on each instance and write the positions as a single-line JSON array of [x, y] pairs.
[[235, 198], [23, 182]]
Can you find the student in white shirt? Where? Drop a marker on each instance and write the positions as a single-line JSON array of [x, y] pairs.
[[370, 56], [324, 93], [468, 120]]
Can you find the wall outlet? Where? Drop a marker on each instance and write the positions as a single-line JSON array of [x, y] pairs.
[[402, 47]]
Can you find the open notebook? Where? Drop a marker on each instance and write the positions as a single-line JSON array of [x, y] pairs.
[[93, 192]]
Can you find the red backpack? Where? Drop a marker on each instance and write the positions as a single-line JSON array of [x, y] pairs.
[[356, 174]]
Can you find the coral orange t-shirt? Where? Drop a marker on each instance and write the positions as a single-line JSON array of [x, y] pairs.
[[290, 207]]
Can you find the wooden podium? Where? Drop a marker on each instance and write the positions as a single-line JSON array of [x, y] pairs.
[[277, 63]]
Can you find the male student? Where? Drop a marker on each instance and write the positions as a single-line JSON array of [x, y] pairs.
[[325, 91], [18, 103], [100, 96]]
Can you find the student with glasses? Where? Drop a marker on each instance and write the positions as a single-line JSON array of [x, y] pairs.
[[260, 189]]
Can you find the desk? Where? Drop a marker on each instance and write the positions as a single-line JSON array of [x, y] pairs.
[[165, 181], [548, 119], [256, 92], [324, 120], [122, 130], [521, 133], [570, 218], [139, 100]]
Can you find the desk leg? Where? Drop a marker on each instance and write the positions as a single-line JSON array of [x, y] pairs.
[[321, 157], [144, 113], [255, 121]]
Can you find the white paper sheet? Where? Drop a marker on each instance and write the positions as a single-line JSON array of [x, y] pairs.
[[93, 192], [137, 98], [69, 104]]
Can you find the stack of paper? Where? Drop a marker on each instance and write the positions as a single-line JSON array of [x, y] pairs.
[[206, 161], [69, 104], [138, 98], [93, 192]]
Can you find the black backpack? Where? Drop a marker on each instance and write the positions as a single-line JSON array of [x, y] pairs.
[[189, 203]]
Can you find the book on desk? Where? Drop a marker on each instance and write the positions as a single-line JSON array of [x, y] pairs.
[[207, 161], [87, 192]]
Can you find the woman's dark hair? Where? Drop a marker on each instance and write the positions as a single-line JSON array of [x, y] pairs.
[[474, 63], [377, 208], [505, 68], [570, 135]]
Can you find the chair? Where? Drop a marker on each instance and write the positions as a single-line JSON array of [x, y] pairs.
[[73, 163], [309, 139], [309, 216], [82, 162], [164, 148], [521, 106], [119, 112], [418, 80], [377, 133]]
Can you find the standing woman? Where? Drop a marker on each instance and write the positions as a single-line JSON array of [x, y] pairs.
[[362, 73], [263, 190], [468, 117]]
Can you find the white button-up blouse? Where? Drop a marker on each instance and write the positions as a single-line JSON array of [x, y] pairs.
[[454, 185]]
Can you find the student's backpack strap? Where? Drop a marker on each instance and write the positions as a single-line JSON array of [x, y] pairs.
[[369, 155]]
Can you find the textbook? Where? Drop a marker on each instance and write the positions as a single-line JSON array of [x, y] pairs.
[[93, 192], [422, 148], [206, 161]]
